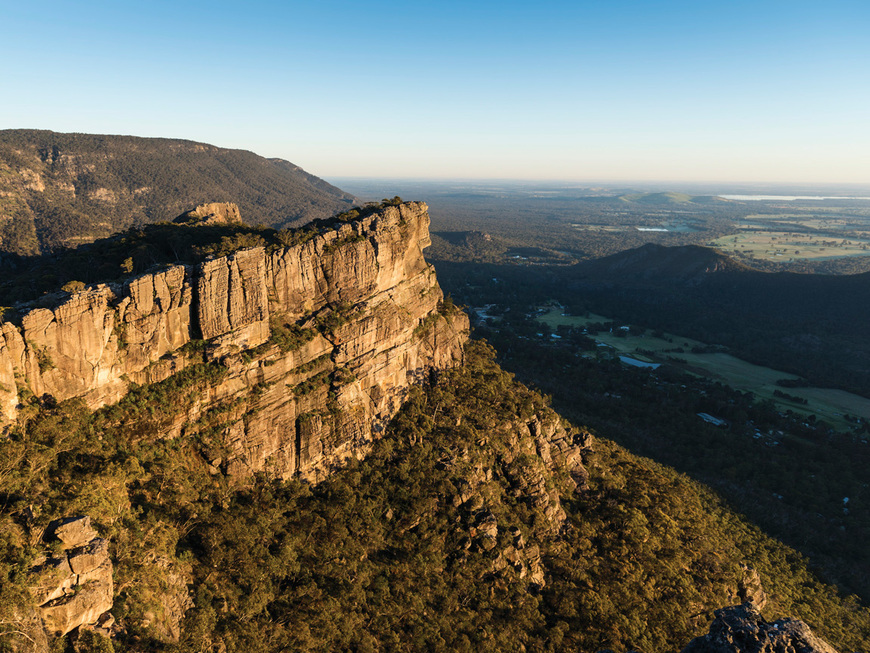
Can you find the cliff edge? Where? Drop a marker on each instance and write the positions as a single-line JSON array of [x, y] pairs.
[[296, 355]]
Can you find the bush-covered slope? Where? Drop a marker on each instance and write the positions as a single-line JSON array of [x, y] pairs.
[[65, 189], [455, 533]]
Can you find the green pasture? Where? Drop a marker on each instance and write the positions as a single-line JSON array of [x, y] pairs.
[[825, 403], [832, 219], [789, 246]]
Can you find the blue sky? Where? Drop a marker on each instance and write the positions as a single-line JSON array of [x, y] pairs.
[[587, 90]]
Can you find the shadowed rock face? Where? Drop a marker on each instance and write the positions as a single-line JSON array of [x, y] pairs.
[[741, 629], [316, 403]]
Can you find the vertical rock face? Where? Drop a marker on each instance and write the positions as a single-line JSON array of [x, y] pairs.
[[154, 316], [71, 350], [327, 399], [361, 295], [232, 301], [10, 347]]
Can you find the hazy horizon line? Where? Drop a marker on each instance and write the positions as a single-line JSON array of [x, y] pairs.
[[597, 182]]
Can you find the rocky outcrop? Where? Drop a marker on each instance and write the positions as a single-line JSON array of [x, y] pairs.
[[211, 214], [749, 588], [524, 560], [741, 629], [537, 460], [319, 342], [557, 448], [73, 586]]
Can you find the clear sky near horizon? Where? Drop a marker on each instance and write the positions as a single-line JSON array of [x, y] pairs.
[[584, 90]]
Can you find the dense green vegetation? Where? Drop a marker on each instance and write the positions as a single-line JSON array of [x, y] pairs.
[[381, 556], [82, 186], [789, 474]]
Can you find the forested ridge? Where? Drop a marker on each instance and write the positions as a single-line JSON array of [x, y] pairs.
[[811, 325], [397, 552], [61, 190]]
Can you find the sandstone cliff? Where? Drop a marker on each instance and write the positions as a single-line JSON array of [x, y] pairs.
[[315, 343], [74, 586]]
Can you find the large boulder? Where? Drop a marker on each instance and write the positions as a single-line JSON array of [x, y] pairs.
[[73, 531], [211, 214], [74, 587], [742, 629]]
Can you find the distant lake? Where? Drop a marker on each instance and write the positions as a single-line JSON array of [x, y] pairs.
[[788, 198]]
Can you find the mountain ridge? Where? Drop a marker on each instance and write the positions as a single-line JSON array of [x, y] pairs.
[[61, 189]]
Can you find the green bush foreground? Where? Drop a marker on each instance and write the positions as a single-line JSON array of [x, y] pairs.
[[379, 557]]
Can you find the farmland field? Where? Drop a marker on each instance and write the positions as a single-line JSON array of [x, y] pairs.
[[790, 246], [826, 403]]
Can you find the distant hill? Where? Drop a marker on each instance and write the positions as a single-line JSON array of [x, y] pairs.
[[669, 198], [813, 325], [687, 263], [657, 198], [61, 190], [702, 274]]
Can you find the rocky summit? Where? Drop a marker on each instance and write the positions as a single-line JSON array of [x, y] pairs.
[[210, 214]]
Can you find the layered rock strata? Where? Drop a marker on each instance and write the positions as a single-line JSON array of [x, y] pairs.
[[359, 301]]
